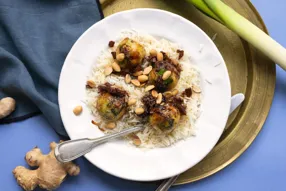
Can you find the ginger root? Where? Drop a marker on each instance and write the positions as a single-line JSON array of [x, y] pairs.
[[49, 174], [7, 106]]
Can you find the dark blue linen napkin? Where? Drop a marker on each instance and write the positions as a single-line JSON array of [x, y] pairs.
[[35, 37]]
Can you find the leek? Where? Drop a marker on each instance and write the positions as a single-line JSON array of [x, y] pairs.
[[200, 4], [244, 28]]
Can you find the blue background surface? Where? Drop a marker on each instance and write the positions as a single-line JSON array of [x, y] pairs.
[[262, 167]]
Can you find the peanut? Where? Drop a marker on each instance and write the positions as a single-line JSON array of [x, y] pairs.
[[168, 94], [139, 110], [116, 67], [142, 78], [136, 141], [150, 87], [127, 79], [196, 89], [166, 75], [120, 57], [131, 102], [160, 56], [108, 70], [159, 98], [135, 82], [77, 110], [154, 93], [110, 125], [147, 70], [175, 62], [90, 83], [138, 73], [153, 52]]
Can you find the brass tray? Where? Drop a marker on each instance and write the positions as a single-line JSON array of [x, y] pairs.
[[250, 73]]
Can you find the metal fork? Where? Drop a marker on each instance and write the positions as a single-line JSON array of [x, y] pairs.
[[73, 149]]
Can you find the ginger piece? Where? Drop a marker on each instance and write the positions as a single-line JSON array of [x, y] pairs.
[[7, 106], [49, 174]]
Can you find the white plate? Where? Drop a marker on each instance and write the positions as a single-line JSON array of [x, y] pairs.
[[119, 158]]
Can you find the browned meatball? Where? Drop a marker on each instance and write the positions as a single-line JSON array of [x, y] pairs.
[[111, 107], [165, 117], [159, 68], [155, 77], [112, 102], [134, 53]]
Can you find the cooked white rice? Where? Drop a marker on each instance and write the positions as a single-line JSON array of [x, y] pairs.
[[190, 77]]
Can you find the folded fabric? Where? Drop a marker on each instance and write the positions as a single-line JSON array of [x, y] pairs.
[[35, 37]]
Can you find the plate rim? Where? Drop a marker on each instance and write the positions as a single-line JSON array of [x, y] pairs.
[[134, 10]]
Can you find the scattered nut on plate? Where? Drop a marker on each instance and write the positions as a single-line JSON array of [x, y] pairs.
[[120, 57], [166, 75], [90, 84], [108, 70], [116, 67], [167, 94], [139, 110], [160, 56], [154, 93], [142, 78], [159, 98], [131, 101], [153, 52], [135, 82], [127, 79], [150, 87], [174, 61], [147, 70], [110, 125], [138, 73], [196, 89], [136, 141], [77, 110]]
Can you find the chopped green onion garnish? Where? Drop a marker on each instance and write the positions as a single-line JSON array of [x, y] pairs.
[[168, 81], [161, 71]]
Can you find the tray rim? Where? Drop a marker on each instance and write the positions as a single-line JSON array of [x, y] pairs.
[[260, 125]]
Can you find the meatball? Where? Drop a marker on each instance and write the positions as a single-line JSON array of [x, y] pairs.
[[165, 117], [134, 53], [111, 102], [155, 76], [111, 107]]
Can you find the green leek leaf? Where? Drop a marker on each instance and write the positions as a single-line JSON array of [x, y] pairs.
[[244, 28], [200, 4]]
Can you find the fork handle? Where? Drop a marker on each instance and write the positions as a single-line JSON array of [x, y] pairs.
[[73, 149], [166, 184]]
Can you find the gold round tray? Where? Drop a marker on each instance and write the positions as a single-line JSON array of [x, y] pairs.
[[250, 73]]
